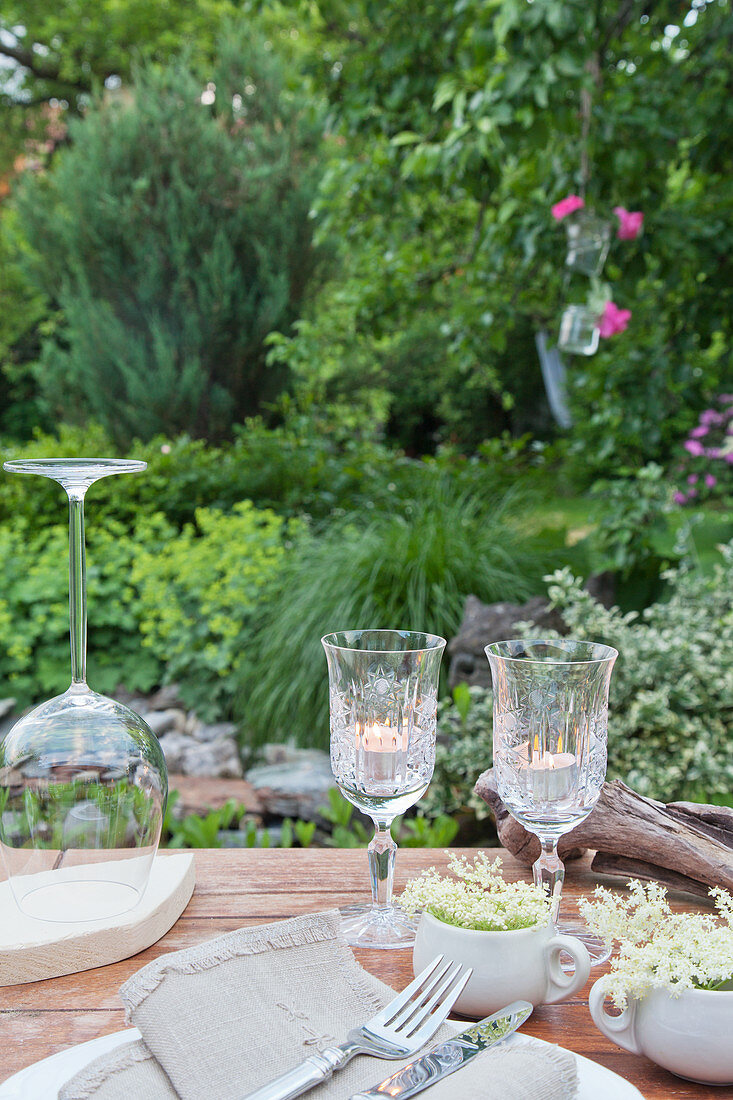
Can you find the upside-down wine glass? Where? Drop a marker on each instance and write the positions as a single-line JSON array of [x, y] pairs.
[[83, 781], [383, 691], [550, 745]]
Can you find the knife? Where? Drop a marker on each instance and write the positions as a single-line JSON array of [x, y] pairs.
[[449, 1056]]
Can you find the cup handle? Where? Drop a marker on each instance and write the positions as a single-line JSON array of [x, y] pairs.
[[620, 1029], [559, 983]]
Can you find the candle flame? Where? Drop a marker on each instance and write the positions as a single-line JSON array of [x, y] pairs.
[[377, 737]]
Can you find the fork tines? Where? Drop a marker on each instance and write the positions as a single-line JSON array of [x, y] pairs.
[[421, 1003]]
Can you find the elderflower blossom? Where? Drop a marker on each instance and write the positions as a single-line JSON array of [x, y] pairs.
[[478, 897], [659, 948]]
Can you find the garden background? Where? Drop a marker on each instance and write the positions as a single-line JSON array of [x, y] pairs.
[[295, 255]]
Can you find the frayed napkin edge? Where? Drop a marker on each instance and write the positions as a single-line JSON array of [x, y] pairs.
[[292, 932], [557, 1056], [89, 1080]]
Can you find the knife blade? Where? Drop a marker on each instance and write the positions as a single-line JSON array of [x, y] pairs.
[[450, 1055]]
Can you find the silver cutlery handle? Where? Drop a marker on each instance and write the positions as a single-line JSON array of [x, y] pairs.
[[305, 1076]]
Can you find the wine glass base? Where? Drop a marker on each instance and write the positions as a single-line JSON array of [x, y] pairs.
[[598, 950], [367, 926]]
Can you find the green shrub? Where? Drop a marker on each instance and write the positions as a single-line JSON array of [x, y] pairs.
[[411, 567], [306, 465], [34, 609], [197, 593], [463, 751], [175, 235], [671, 702], [163, 605], [420, 831], [632, 530]]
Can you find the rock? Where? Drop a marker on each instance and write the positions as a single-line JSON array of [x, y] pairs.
[[602, 587], [193, 724], [200, 794], [163, 721], [7, 707], [216, 758], [298, 787], [175, 748], [484, 623], [274, 753], [215, 731], [165, 698], [8, 717]]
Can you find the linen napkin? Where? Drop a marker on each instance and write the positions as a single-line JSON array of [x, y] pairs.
[[221, 1019]]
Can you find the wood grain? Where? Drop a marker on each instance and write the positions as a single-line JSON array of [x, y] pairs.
[[31, 950], [667, 843], [238, 887]]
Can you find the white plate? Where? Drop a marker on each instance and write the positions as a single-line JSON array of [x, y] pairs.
[[43, 1080]]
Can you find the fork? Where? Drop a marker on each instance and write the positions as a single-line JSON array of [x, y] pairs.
[[399, 1030]]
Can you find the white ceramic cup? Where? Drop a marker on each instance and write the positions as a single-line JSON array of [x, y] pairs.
[[690, 1035], [507, 966]]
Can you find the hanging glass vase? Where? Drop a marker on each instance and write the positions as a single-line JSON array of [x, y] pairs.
[[589, 238], [83, 780], [579, 332]]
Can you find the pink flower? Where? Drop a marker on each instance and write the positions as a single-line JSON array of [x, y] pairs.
[[729, 458], [699, 432], [693, 447], [630, 223], [165, 448], [710, 480], [710, 416], [692, 493], [613, 320], [679, 498], [567, 206], [692, 479]]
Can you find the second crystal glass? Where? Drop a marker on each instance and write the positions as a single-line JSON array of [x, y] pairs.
[[550, 743], [383, 701]]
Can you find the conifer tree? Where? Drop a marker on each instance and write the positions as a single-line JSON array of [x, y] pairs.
[[174, 235]]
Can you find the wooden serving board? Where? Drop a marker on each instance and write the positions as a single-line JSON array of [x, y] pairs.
[[31, 950]]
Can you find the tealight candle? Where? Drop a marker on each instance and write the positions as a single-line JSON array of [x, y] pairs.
[[380, 753], [550, 776]]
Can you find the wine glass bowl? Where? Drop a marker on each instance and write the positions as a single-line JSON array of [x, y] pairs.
[[383, 688], [83, 780], [550, 741]]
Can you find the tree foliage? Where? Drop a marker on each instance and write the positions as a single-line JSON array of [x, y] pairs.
[[67, 49], [174, 235], [458, 137]]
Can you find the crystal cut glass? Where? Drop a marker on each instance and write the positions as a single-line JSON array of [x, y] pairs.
[[83, 780], [383, 692], [550, 743]]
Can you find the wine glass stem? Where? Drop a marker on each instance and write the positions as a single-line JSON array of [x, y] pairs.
[[549, 872], [382, 851], [77, 588]]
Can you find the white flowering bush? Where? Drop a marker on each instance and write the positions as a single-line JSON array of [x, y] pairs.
[[671, 701], [658, 948], [477, 897]]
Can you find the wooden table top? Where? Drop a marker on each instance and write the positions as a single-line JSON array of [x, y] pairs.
[[246, 887]]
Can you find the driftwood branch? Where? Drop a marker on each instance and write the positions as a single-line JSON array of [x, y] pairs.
[[683, 845]]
